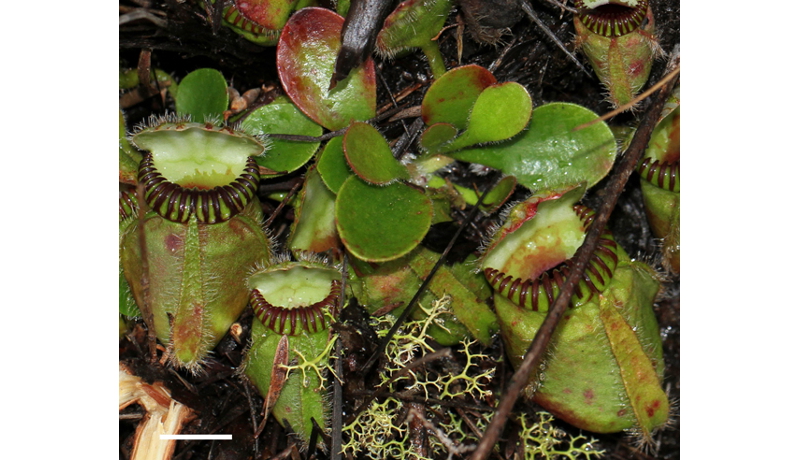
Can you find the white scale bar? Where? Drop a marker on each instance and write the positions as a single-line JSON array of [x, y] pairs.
[[196, 437]]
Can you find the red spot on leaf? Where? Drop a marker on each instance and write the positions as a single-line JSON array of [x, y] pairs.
[[637, 67], [173, 242], [486, 79], [652, 407]]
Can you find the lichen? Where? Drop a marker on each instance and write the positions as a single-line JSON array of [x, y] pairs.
[[382, 430], [542, 440]]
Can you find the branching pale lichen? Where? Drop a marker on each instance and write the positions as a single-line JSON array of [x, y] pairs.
[[474, 385], [542, 440], [318, 364]]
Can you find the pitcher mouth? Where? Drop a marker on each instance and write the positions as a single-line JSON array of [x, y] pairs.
[[293, 297], [539, 293], [292, 321], [236, 18], [241, 23], [612, 18], [177, 203]]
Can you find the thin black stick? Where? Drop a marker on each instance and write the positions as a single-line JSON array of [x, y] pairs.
[[253, 421], [405, 140], [283, 203], [302, 138], [540, 342], [339, 132]]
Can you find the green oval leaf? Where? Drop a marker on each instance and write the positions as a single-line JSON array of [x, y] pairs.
[[550, 154], [437, 135], [282, 117], [306, 54], [451, 97], [370, 157], [203, 94], [378, 224], [500, 112], [332, 165]]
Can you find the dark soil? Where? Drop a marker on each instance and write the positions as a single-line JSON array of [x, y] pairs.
[[223, 402]]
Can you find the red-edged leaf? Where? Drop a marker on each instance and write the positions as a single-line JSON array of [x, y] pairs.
[[306, 55]]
